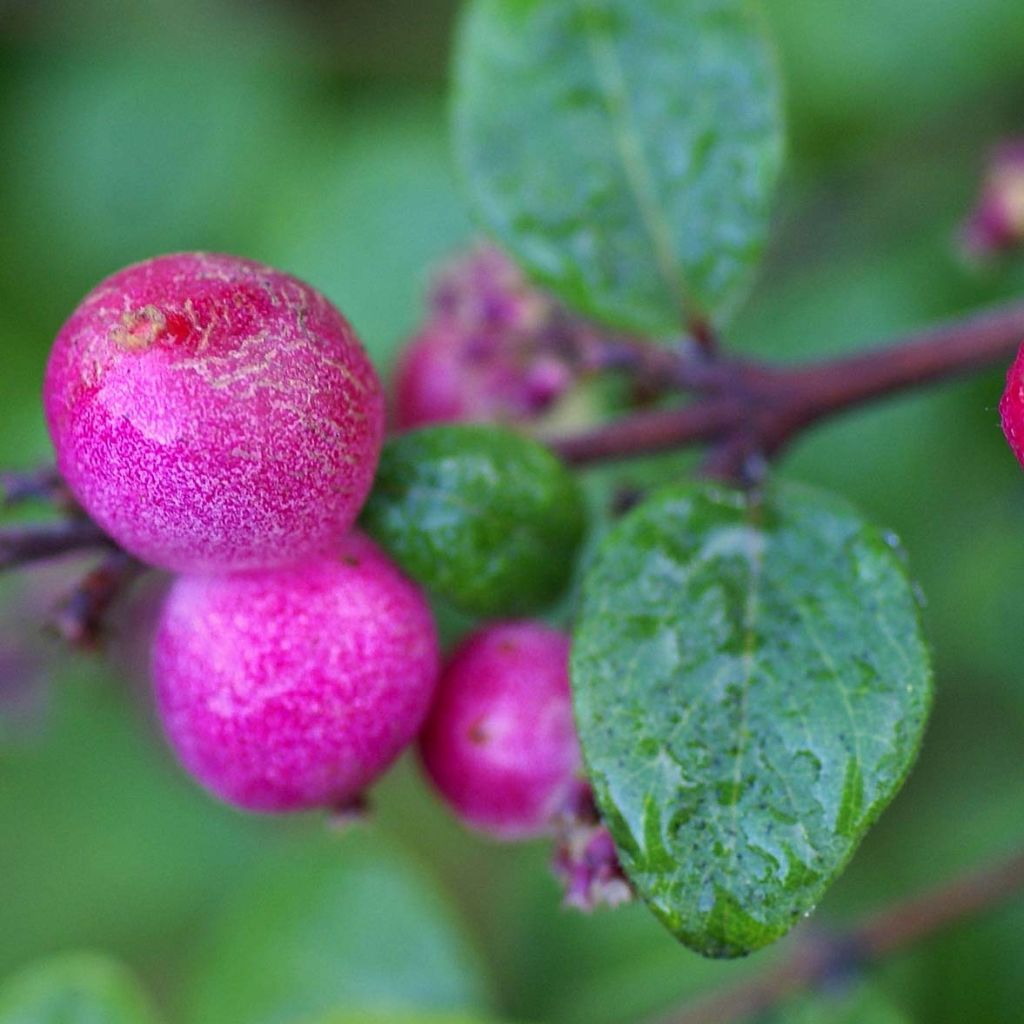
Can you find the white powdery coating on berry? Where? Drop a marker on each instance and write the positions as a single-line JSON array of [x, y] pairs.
[[213, 414], [295, 688]]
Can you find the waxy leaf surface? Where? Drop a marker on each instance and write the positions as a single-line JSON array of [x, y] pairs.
[[624, 151], [751, 688]]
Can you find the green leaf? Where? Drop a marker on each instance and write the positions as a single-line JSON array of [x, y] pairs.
[[624, 151], [81, 988], [751, 688], [484, 517], [344, 923]]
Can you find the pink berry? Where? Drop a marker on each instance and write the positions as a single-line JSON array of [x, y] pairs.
[[491, 349], [1011, 407], [430, 381], [441, 379], [500, 744], [295, 688], [213, 414]]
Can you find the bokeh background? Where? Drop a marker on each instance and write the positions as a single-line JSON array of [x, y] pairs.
[[312, 135]]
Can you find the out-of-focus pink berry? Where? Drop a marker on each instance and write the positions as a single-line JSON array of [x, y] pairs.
[[493, 348], [997, 222], [213, 414], [431, 381], [295, 688], [500, 744]]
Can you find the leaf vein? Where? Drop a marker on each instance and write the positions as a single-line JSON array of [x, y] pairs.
[[612, 82]]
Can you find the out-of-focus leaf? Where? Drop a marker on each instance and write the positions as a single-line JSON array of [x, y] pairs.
[[74, 989], [751, 688], [373, 210], [399, 1017], [625, 152], [344, 923], [22, 430], [113, 848], [872, 71], [864, 1004], [119, 159], [626, 966]]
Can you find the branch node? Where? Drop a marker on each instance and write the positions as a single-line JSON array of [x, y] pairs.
[[79, 617]]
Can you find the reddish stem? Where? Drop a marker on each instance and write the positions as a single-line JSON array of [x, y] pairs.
[[826, 388], [749, 407], [644, 433]]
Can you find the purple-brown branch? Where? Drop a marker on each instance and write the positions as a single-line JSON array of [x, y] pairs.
[[34, 542], [37, 484], [646, 433], [750, 407], [818, 957]]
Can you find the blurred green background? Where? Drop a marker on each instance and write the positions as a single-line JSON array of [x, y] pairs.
[[312, 135]]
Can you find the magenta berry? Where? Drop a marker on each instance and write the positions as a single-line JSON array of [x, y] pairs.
[[213, 414], [1011, 406], [295, 688], [500, 744]]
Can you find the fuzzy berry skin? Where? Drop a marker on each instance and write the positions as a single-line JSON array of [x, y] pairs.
[[295, 688], [500, 744], [213, 414], [1011, 407]]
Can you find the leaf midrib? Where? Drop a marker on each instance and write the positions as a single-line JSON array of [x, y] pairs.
[[611, 80], [750, 616]]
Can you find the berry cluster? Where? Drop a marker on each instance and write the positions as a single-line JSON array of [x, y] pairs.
[[221, 420]]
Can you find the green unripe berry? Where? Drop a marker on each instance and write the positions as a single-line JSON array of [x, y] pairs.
[[484, 517]]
